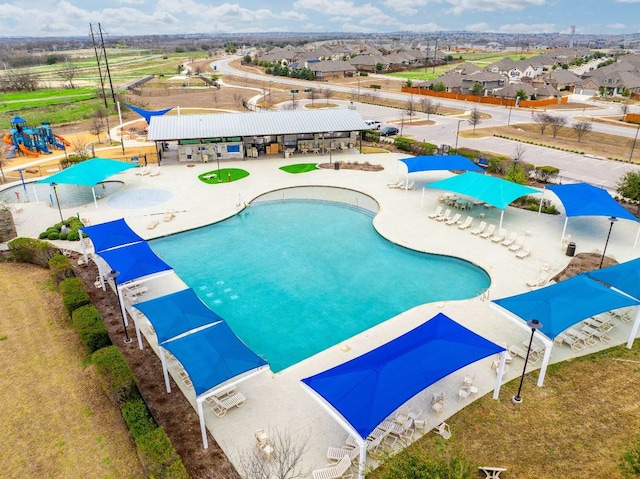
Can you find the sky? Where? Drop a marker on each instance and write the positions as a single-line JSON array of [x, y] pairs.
[[43, 18]]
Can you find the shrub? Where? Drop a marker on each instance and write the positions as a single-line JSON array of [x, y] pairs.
[[116, 376], [158, 456], [29, 250], [404, 144], [411, 464], [74, 294], [138, 418], [60, 267], [90, 327], [545, 174], [371, 135]]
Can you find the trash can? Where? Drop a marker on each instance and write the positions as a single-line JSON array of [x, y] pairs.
[[336, 165], [571, 249]]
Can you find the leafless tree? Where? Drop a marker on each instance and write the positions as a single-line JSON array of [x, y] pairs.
[[411, 109], [69, 74], [237, 98], [313, 94], [285, 461], [97, 127], [475, 118], [557, 122], [215, 97], [22, 80], [79, 147], [543, 120], [519, 152], [582, 128], [327, 93], [624, 109], [426, 104]]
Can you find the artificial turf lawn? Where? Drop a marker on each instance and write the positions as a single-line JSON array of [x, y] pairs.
[[300, 167], [223, 175]]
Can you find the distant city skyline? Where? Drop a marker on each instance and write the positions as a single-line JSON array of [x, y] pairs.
[[49, 18]]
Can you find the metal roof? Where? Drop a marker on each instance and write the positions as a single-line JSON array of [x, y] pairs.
[[288, 122]]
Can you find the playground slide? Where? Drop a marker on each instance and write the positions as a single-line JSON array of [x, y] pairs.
[[42, 147], [64, 142], [26, 150], [7, 139]]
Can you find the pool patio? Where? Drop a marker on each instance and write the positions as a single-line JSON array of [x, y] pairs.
[[279, 401]]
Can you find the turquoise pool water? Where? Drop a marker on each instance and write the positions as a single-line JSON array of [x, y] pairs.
[[296, 277]]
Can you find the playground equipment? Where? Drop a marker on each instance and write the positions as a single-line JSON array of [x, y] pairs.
[[31, 140]]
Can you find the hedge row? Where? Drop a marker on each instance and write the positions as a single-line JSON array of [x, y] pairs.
[[29, 250], [157, 454], [89, 324], [60, 268], [74, 294]]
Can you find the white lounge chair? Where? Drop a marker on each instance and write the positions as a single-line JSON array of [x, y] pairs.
[[155, 171], [263, 443], [576, 344], [454, 219], [410, 186], [445, 216], [601, 335], [221, 406], [510, 239], [436, 213], [336, 453], [540, 280], [397, 184], [341, 469], [499, 236], [152, 224], [488, 232], [169, 215], [466, 224], [479, 229], [443, 429], [524, 251]]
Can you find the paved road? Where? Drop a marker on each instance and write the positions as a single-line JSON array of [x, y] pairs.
[[574, 167]]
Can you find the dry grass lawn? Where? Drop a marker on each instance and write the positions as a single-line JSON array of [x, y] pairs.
[[56, 421], [592, 143]]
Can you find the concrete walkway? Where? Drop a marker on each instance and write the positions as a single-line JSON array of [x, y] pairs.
[[277, 401]]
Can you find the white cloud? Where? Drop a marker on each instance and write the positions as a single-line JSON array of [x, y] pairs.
[[627, 1], [616, 26], [460, 7], [131, 2]]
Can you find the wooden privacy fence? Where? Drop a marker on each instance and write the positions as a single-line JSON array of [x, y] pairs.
[[489, 100]]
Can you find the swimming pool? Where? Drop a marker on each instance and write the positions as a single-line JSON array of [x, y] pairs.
[[69, 195], [295, 277]]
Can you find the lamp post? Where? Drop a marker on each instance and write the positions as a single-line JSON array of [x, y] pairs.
[[612, 219], [55, 192], [534, 324], [458, 135], [113, 275], [633, 146]]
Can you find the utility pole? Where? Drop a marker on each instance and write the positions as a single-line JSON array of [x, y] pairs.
[[99, 56]]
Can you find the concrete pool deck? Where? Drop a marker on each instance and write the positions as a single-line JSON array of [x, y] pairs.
[[278, 401]]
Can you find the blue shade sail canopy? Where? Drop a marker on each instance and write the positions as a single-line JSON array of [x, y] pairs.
[[111, 234], [367, 389], [176, 314], [134, 261], [623, 276], [583, 199], [212, 356], [89, 172], [492, 190], [564, 304], [440, 162], [147, 114], [17, 120]]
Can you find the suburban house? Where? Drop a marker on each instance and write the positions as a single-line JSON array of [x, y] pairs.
[[489, 82]]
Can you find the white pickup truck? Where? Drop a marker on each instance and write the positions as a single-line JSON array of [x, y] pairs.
[[373, 125]]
